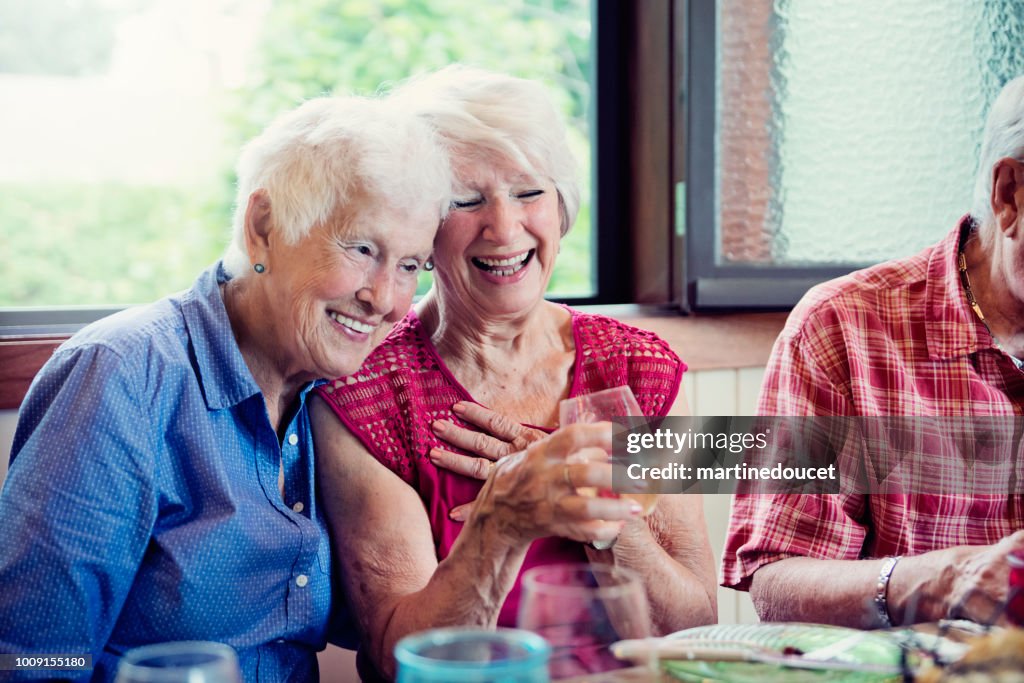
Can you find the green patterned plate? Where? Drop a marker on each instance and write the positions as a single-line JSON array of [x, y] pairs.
[[841, 651]]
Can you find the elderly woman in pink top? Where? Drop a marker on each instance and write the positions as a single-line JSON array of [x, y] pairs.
[[455, 406]]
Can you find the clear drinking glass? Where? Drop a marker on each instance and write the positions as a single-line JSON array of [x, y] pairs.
[[604, 406], [190, 661], [581, 609], [464, 655]]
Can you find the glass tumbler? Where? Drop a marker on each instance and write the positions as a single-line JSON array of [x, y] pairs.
[[581, 610], [465, 655], [605, 406], [191, 661]]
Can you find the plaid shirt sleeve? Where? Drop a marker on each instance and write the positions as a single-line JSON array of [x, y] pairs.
[[803, 377]]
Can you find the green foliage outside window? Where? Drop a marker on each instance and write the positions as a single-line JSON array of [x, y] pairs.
[[66, 243]]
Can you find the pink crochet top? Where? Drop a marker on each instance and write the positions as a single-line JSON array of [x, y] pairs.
[[391, 401]]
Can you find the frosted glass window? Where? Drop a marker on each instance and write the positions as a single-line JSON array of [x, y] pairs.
[[847, 132]]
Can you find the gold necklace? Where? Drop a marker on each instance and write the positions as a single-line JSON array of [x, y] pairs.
[[972, 301], [961, 262]]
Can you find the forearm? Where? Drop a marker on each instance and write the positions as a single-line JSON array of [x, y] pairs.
[[468, 588], [842, 592], [681, 592]]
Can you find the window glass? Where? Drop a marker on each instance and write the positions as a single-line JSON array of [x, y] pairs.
[[121, 119], [847, 132]]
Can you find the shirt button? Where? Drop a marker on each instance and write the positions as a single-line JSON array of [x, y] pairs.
[[301, 580], [293, 439], [298, 507]]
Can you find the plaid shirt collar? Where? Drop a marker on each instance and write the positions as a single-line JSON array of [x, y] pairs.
[[947, 302]]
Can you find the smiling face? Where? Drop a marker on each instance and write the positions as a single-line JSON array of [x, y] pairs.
[[498, 246], [335, 294]]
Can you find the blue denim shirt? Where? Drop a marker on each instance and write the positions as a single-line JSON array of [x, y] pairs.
[[142, 501]]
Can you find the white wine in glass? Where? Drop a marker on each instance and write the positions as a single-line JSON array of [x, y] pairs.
[[604, 406]]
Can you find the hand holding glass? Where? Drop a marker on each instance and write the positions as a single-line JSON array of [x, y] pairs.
[[605, 406]]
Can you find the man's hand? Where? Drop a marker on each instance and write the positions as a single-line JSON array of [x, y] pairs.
[[979, 588]]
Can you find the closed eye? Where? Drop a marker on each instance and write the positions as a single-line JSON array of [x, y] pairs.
[[467, 203], [530, 194]]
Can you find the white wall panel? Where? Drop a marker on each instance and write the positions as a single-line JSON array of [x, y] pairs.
[[748, 388], [714, 392], [689, 385], [725, 392]]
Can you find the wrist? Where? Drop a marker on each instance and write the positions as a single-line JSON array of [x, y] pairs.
[[486, 556], [883, 615], [491, 531], [491, 520]]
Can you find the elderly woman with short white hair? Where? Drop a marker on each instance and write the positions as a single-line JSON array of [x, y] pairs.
[[162, 480], [467, 387]]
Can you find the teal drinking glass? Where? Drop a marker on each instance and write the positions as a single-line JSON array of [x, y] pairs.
[[462, 655]]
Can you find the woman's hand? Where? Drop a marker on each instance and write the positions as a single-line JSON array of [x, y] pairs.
[[501, 437], [534, 493]]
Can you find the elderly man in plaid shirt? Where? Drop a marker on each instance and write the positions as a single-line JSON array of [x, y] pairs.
[[937, 334]]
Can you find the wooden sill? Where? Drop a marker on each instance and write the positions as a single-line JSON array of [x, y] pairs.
[[705, 342], [20, 360]]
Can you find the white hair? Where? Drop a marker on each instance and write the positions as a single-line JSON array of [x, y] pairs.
[[485, 115], [1003, 137], [332, 151]]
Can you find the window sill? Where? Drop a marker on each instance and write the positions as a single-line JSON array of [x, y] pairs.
[[705, 342]]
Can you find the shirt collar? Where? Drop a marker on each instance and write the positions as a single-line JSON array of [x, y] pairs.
[[223, 374], [951, 327]]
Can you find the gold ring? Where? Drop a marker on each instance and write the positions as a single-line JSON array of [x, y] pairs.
[[565, 476]]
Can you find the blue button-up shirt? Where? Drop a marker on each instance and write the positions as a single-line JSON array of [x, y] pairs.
[[142, 502]]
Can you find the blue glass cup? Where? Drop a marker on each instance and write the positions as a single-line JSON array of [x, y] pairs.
[[464, 655]]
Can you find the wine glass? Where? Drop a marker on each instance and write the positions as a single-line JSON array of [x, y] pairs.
[[581, 609], [189, 661], [467, 655], [605, 406]]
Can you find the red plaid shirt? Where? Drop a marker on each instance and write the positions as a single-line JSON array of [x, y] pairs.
[[895, 339]]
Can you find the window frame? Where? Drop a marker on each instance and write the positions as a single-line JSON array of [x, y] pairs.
[[708, 284]]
